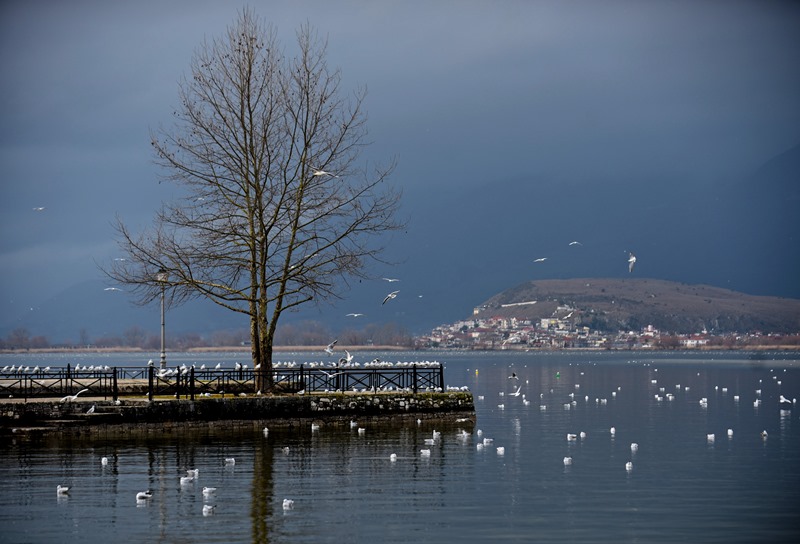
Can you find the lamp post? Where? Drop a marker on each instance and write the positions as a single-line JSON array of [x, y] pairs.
[[162, 276]]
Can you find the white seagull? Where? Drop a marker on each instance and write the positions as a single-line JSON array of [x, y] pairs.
[[631, 262], [71, 398], [391, 280], [91, 410], [208, 509], [112, 289], [516, 393], [144, 495], [39, 209], [353, 314], [575, 243], [62, 490], [208, 491], [329, 348], [288, 504], [389, 297], [540, 260], [318, 173]]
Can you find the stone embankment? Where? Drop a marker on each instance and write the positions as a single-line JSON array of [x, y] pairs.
[[254, 411]]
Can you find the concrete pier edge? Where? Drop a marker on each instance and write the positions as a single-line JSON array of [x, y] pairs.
[[163, 415]]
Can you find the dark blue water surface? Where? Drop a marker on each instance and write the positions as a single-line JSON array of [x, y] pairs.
[[683, 487]]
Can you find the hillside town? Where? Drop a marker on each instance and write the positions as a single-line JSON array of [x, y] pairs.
[[564, 330]]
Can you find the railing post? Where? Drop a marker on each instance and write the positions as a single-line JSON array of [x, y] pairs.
[[414, 376], [191, 383], [178, 384], [115, 389], [67, 385], [150, 383], [302, 383], [441, 377]]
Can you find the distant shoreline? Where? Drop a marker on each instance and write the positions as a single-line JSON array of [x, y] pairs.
[[285, 349]]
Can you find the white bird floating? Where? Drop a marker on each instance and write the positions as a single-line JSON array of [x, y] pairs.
[[208, 491], [230, 461], [208, 509], [567, 461], [634, 446], [104, 461], [144, 495], [288, 504], [193, 472], [425, 453], [393, 457], [501, 450], [62, 490], [629, 466], [186, 480]]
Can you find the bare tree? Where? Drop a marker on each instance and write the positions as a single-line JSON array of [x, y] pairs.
[[276, 210]]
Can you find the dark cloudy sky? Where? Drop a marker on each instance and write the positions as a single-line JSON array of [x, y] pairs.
[[468, 96]]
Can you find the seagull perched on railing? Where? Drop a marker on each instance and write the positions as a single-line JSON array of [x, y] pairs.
[[347, 358], [71, 398]]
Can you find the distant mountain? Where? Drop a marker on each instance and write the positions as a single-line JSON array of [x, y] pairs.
[[630, 304]]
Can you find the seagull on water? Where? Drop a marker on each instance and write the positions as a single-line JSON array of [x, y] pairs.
[[631, 262], [208, 509], [389, 297], [288, 504], [144, 495], [62, 490], [72, 398], [230, 461], [629, 466], [208, 491]]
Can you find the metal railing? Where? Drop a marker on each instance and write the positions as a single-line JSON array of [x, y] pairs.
[[189, 382]]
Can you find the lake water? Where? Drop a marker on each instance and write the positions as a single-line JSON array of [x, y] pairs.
[[683, 487]]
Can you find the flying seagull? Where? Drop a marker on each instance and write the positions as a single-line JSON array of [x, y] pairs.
[[540, 260], [318, 173], [112, 289], [71, 398], [631, 262], [390, 280], [389, 297], [39, 209], [329, 348], [354, 315], [516, 393]]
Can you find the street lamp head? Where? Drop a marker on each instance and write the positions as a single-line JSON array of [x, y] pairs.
[[162, 275]]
